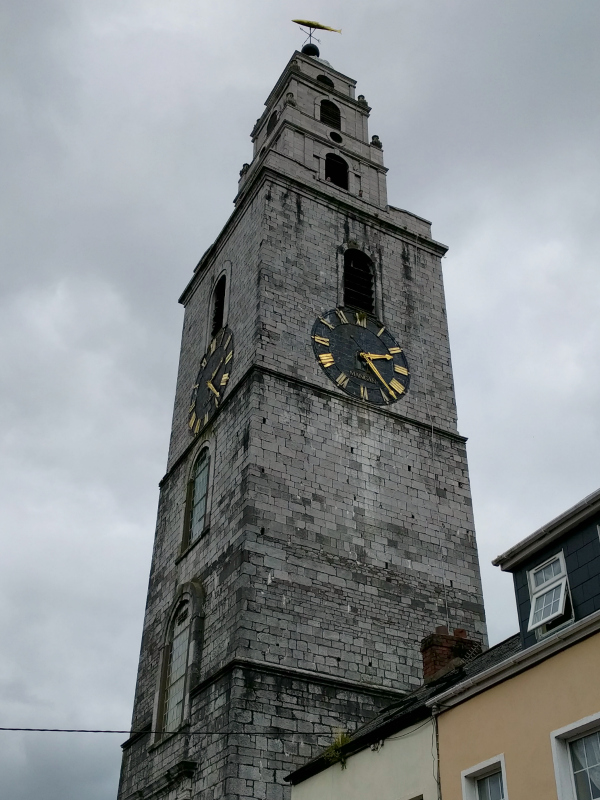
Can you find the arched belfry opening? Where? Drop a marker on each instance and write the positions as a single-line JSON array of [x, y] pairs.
[[330, 114], [336, 170], [358, 281], [218, 305], [271, 123], [326, 81]]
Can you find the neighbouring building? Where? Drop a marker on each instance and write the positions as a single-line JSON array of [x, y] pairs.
[[518, 721], [315, 518]]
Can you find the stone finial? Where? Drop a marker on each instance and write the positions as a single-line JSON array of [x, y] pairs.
[[361, 100], [376, 141], [244, 170], [290, 100]]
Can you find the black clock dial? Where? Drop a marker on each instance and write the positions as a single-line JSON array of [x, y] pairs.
[[211, 383], [360, 355]]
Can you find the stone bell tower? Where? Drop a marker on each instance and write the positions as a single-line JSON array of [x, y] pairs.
[[314, 520]]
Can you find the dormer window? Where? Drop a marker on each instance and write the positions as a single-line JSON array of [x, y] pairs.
[[549, 592], [330, 114], [326, 81]]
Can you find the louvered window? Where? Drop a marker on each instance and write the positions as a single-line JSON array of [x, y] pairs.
[[218, 305], [358, 281], [330, 114]]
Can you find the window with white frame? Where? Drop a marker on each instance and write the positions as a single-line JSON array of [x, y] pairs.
[[576, 754], [585, 765], [549, 592], [485, 781]]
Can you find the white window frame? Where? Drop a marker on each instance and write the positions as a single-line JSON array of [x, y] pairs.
[[547, 586], [469, 777], [559, 741]]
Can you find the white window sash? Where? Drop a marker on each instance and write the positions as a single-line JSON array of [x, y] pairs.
[[548, 587], [559, 741], [469, 777]]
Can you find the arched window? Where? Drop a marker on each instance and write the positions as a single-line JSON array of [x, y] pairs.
[[330, 114], [218, 305], [326, 81], [271, 123], [336, 170], [358, 281], [196, 515], [175, 669]]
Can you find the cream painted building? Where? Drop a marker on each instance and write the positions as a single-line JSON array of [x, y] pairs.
[[398, 768]]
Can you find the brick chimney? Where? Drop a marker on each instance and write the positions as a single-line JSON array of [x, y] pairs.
[[442, 652]]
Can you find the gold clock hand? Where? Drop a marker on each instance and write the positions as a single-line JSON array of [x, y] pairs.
[[373, 356], [365, 356], [212, 388]]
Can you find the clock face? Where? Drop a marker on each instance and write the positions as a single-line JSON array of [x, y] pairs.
[[360, 355], [211, 383]]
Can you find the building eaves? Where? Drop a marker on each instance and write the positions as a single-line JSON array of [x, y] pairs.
[[410, 710], [559, 526]]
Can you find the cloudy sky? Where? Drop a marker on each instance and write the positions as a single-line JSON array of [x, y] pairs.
[[124, 126]]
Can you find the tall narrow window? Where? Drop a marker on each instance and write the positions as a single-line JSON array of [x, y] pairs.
[[336, 170], [197, 498], [218, 305], [330, 114], [358, 281], [176, 669], [271, 123]]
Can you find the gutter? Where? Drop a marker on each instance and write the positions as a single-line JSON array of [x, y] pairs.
[[526, 659]]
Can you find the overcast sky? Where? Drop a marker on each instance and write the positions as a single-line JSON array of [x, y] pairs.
[[124, 126]]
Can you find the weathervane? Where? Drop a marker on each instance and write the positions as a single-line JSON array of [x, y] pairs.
[[309, 47]]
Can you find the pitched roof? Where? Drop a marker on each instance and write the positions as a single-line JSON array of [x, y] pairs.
[[411, 709]]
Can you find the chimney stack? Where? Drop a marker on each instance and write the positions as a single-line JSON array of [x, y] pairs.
[[442, 652]]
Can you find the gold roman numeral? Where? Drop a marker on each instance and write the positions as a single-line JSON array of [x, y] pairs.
[[400, 370], [192, 419], [341, 315], [324, 321], [226, 345], [395, 349], [205, 420], [364, 394], [361, 319], [224, 379], [397, 386], [213, 346], [229, 357], [203, 363], [381, 331], [385, 400], [342, 380], [321, 340], [326, 359], [197, 428]]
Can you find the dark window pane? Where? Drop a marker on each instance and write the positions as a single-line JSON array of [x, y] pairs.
[[271, 123], [336, 170], [218, 305]]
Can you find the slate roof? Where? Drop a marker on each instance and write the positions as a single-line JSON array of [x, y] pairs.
[[411, 709]]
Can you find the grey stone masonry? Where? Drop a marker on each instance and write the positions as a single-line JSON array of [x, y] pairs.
[[339, 533]]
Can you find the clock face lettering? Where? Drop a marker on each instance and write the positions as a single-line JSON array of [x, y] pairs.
[[360, 355], [211, 383]]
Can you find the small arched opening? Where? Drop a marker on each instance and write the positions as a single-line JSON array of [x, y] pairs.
[[358, 281], [336, 170], [326, 81]]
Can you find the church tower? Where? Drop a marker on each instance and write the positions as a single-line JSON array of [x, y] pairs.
[[315, 519]]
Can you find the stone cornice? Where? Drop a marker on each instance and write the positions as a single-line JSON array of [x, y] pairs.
[[353, 205], [315, 388]]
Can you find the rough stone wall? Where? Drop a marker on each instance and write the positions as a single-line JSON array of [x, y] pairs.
[[340, 534]]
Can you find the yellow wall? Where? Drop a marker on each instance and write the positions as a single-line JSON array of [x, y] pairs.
[[516, 718], [402, 769]]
